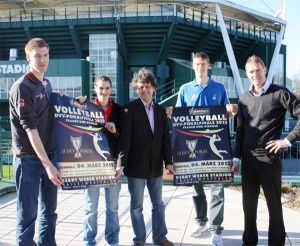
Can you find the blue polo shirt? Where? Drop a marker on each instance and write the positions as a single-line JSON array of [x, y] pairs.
[[192, 94]]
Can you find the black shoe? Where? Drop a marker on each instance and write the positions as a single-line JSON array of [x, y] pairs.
[[166, 243]]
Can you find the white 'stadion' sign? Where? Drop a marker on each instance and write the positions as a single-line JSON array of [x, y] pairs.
[[13, 68]]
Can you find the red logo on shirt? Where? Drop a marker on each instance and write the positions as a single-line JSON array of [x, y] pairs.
[[21, 103]]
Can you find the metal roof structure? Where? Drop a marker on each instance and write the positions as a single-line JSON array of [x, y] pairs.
[[229, 9], [148, 32]]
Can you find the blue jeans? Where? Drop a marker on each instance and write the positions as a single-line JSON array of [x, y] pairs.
[[32, 182], [216, 206], [90, 222], [136, 189]]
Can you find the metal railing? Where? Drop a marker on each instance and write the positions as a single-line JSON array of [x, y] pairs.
[[6, 157], [128, 13], [290, 157], [167, 90]]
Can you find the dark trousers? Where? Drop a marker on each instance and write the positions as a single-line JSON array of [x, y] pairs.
[[264, 170]]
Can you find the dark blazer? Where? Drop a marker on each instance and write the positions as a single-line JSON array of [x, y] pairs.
[[144, 152]]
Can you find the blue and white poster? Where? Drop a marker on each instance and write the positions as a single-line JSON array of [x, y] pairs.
[[201, 145], [81, 145]]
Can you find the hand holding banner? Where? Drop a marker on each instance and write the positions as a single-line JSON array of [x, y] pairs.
[[81, 145], [201, 145]]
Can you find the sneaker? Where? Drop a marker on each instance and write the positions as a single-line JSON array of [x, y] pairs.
[[200, 230], [216, 240]]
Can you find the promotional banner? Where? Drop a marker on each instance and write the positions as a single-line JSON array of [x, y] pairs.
[[82, 147], [201, 145]]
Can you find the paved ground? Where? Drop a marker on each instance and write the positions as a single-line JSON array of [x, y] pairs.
[[179, 216]]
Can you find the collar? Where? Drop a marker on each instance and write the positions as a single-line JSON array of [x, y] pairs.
[[263, 89], [34, 79], [108, 109], [146, 104], [196, 84], [110, 104]]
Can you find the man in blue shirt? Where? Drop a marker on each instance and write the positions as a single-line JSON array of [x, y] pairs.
[[203, 91]]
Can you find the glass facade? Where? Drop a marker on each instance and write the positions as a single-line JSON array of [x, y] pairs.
[[230, 85], [103, 60], [70, 85], [279, 71], [5, 85]]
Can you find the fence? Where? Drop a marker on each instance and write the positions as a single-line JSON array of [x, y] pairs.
[[290, 157], [6, 156]]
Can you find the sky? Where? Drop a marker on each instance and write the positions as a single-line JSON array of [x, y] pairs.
[[292, 33]]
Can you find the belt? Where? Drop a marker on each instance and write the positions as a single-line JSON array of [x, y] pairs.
[[26, 155]]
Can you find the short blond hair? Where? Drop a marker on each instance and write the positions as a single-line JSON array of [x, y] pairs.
[[34, 43], [201, 55], [255, 59]]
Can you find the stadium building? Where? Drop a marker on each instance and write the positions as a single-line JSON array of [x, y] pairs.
[[117, 37]]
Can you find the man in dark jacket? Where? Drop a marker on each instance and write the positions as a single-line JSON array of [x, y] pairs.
[[146, 144], [33, 146]]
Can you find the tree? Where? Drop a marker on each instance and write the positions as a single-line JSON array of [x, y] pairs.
[[296, 84]]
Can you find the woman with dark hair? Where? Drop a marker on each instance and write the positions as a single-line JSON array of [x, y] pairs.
[[102, 88]]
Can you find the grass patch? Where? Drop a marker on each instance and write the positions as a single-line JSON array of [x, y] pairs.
[[286, 188], [7, 172], [290, 195]]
